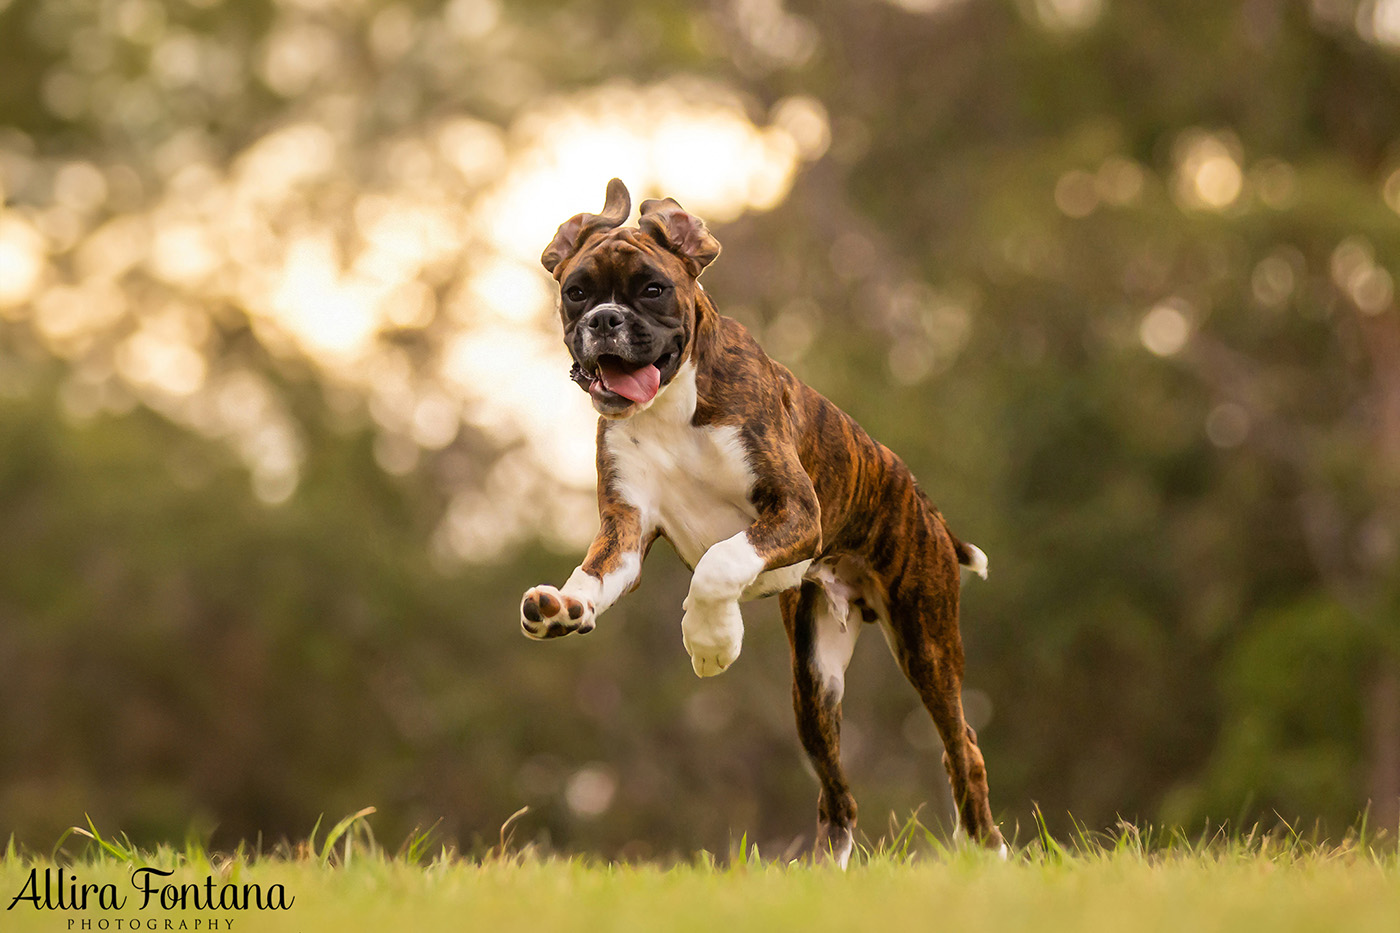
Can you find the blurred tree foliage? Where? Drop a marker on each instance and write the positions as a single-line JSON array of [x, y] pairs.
[[1114, 276]]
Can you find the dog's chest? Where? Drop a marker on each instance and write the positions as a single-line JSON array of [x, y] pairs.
[[691, 482]]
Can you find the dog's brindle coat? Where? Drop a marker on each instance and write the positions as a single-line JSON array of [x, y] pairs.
[[762, 486]]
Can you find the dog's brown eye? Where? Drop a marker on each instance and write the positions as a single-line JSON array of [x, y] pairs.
[[652, 291], [574, 293]]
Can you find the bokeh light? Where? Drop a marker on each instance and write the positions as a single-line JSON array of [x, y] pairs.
[[1208, 172], [1167, 327]]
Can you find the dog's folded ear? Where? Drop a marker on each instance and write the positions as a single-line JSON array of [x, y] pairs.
[[682, 233], [573, 232]]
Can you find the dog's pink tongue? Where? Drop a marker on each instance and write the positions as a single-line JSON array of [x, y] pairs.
[[639, 385]]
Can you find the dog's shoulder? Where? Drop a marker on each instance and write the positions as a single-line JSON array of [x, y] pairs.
[[739, 382]]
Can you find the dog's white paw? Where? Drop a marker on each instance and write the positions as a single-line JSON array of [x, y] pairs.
[[545, 612], [835, 845], [713, 633]]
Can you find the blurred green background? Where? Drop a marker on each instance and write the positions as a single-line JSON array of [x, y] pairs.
[[286, 426]]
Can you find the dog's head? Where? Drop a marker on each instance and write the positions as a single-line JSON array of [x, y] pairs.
[[628, 296]]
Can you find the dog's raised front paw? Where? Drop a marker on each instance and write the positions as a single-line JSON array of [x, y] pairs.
[[713, 633], [547, 613]]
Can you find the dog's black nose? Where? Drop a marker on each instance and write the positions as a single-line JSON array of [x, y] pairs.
[[604, 320]]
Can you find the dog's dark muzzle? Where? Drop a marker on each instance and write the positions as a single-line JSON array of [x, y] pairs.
[[607, 331], [603, 321]]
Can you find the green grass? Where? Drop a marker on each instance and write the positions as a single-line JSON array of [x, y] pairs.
[[1127, 880]]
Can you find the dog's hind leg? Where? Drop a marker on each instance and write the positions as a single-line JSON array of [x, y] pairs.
[[924, 635], [822, 640]]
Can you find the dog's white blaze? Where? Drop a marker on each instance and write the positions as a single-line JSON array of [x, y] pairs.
[[603, 592]]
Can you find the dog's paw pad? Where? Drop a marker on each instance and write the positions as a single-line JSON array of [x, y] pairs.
[[547, 613]]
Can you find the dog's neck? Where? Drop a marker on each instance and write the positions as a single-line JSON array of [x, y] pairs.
[[675, 403]]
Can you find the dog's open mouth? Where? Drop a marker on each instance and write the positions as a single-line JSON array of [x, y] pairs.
[[636, 382]]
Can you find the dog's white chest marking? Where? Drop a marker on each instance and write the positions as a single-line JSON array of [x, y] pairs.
[[691, 482]]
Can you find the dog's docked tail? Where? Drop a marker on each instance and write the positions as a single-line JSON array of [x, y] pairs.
[[969, 555], [972, 557]]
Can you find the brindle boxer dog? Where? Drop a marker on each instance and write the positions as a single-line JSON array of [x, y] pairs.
[[762, 486]]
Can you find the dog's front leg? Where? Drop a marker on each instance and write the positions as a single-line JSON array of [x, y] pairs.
[[613, 567], [788, 530]]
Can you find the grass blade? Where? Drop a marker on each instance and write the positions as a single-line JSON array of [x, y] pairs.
[[336, 832]]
